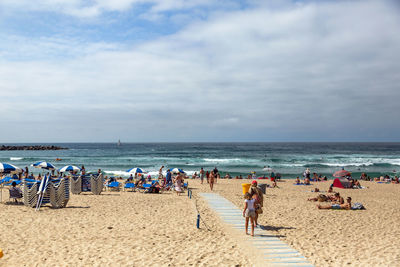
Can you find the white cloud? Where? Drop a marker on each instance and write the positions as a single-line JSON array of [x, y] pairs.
[[327, 69], [87, 9]]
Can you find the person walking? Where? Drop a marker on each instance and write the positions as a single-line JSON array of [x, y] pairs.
[[211, 180], [249, 212], [257, 194], [201, 175]]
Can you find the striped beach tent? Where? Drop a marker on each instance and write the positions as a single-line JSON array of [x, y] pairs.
[[69, 168], [9, 168], [135, 170], [43, 165]]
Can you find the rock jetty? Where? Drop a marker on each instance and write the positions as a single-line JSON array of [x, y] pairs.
[[3, 147]]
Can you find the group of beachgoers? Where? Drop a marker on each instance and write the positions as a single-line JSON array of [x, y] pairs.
[[171, 181], [337, 201], [383, 178], [253, 204]]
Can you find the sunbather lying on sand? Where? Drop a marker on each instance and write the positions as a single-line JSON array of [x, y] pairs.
[[346, 206], [320, 198], [325, 198]]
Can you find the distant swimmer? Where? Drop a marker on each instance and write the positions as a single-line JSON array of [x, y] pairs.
[[58, 159]]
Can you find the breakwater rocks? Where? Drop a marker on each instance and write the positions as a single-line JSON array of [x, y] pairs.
[[3, 147]]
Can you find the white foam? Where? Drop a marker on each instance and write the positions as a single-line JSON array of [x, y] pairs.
[[117, 173], [15, 158], [221, 160], [357, 164]]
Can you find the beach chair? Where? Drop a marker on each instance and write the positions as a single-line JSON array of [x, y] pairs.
[[113, 186], [87, 183], [144, 187], [57, 193], [15, 193], [5, 180], [11, 181], [129, 186]]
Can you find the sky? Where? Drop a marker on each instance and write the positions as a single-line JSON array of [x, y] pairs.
[[199, 70]]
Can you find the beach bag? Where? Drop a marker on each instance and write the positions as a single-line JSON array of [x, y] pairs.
[[259, 210], [358, 206]]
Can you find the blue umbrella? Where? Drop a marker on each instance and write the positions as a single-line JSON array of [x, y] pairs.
[[176, 170], [9, 168], [135, 170], [69, 168], [43, 165]]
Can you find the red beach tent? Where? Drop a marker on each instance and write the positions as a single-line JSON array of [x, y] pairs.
[[341, 183]]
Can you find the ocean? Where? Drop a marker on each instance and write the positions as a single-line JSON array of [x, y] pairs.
[[289, 159]]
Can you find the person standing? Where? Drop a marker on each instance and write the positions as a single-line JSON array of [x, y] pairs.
[[178, 184], [272, 176], [215, 172], [26, 172], [169, 177], [307, 173], [201, 175], [208, 176], [160, 175], [83, 171]]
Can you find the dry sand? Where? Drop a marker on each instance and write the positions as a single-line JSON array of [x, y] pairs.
[[368, 237], [136, 229]]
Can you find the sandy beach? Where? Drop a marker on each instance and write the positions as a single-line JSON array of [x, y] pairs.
[[136, 229]]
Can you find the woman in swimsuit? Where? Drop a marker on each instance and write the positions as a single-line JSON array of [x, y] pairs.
[[211, 180]]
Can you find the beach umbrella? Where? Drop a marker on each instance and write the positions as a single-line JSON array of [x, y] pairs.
[[43, 165], [268, 169], [69, 168], [135, 170], [176, 170], [9, 168], [42, 189], [341, 173]]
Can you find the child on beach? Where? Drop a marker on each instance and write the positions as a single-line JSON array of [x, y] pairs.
[[249, 212]]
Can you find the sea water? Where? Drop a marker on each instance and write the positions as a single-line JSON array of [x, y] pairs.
[[289, 159]]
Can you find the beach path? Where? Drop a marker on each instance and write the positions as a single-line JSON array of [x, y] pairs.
[[273, 251]]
